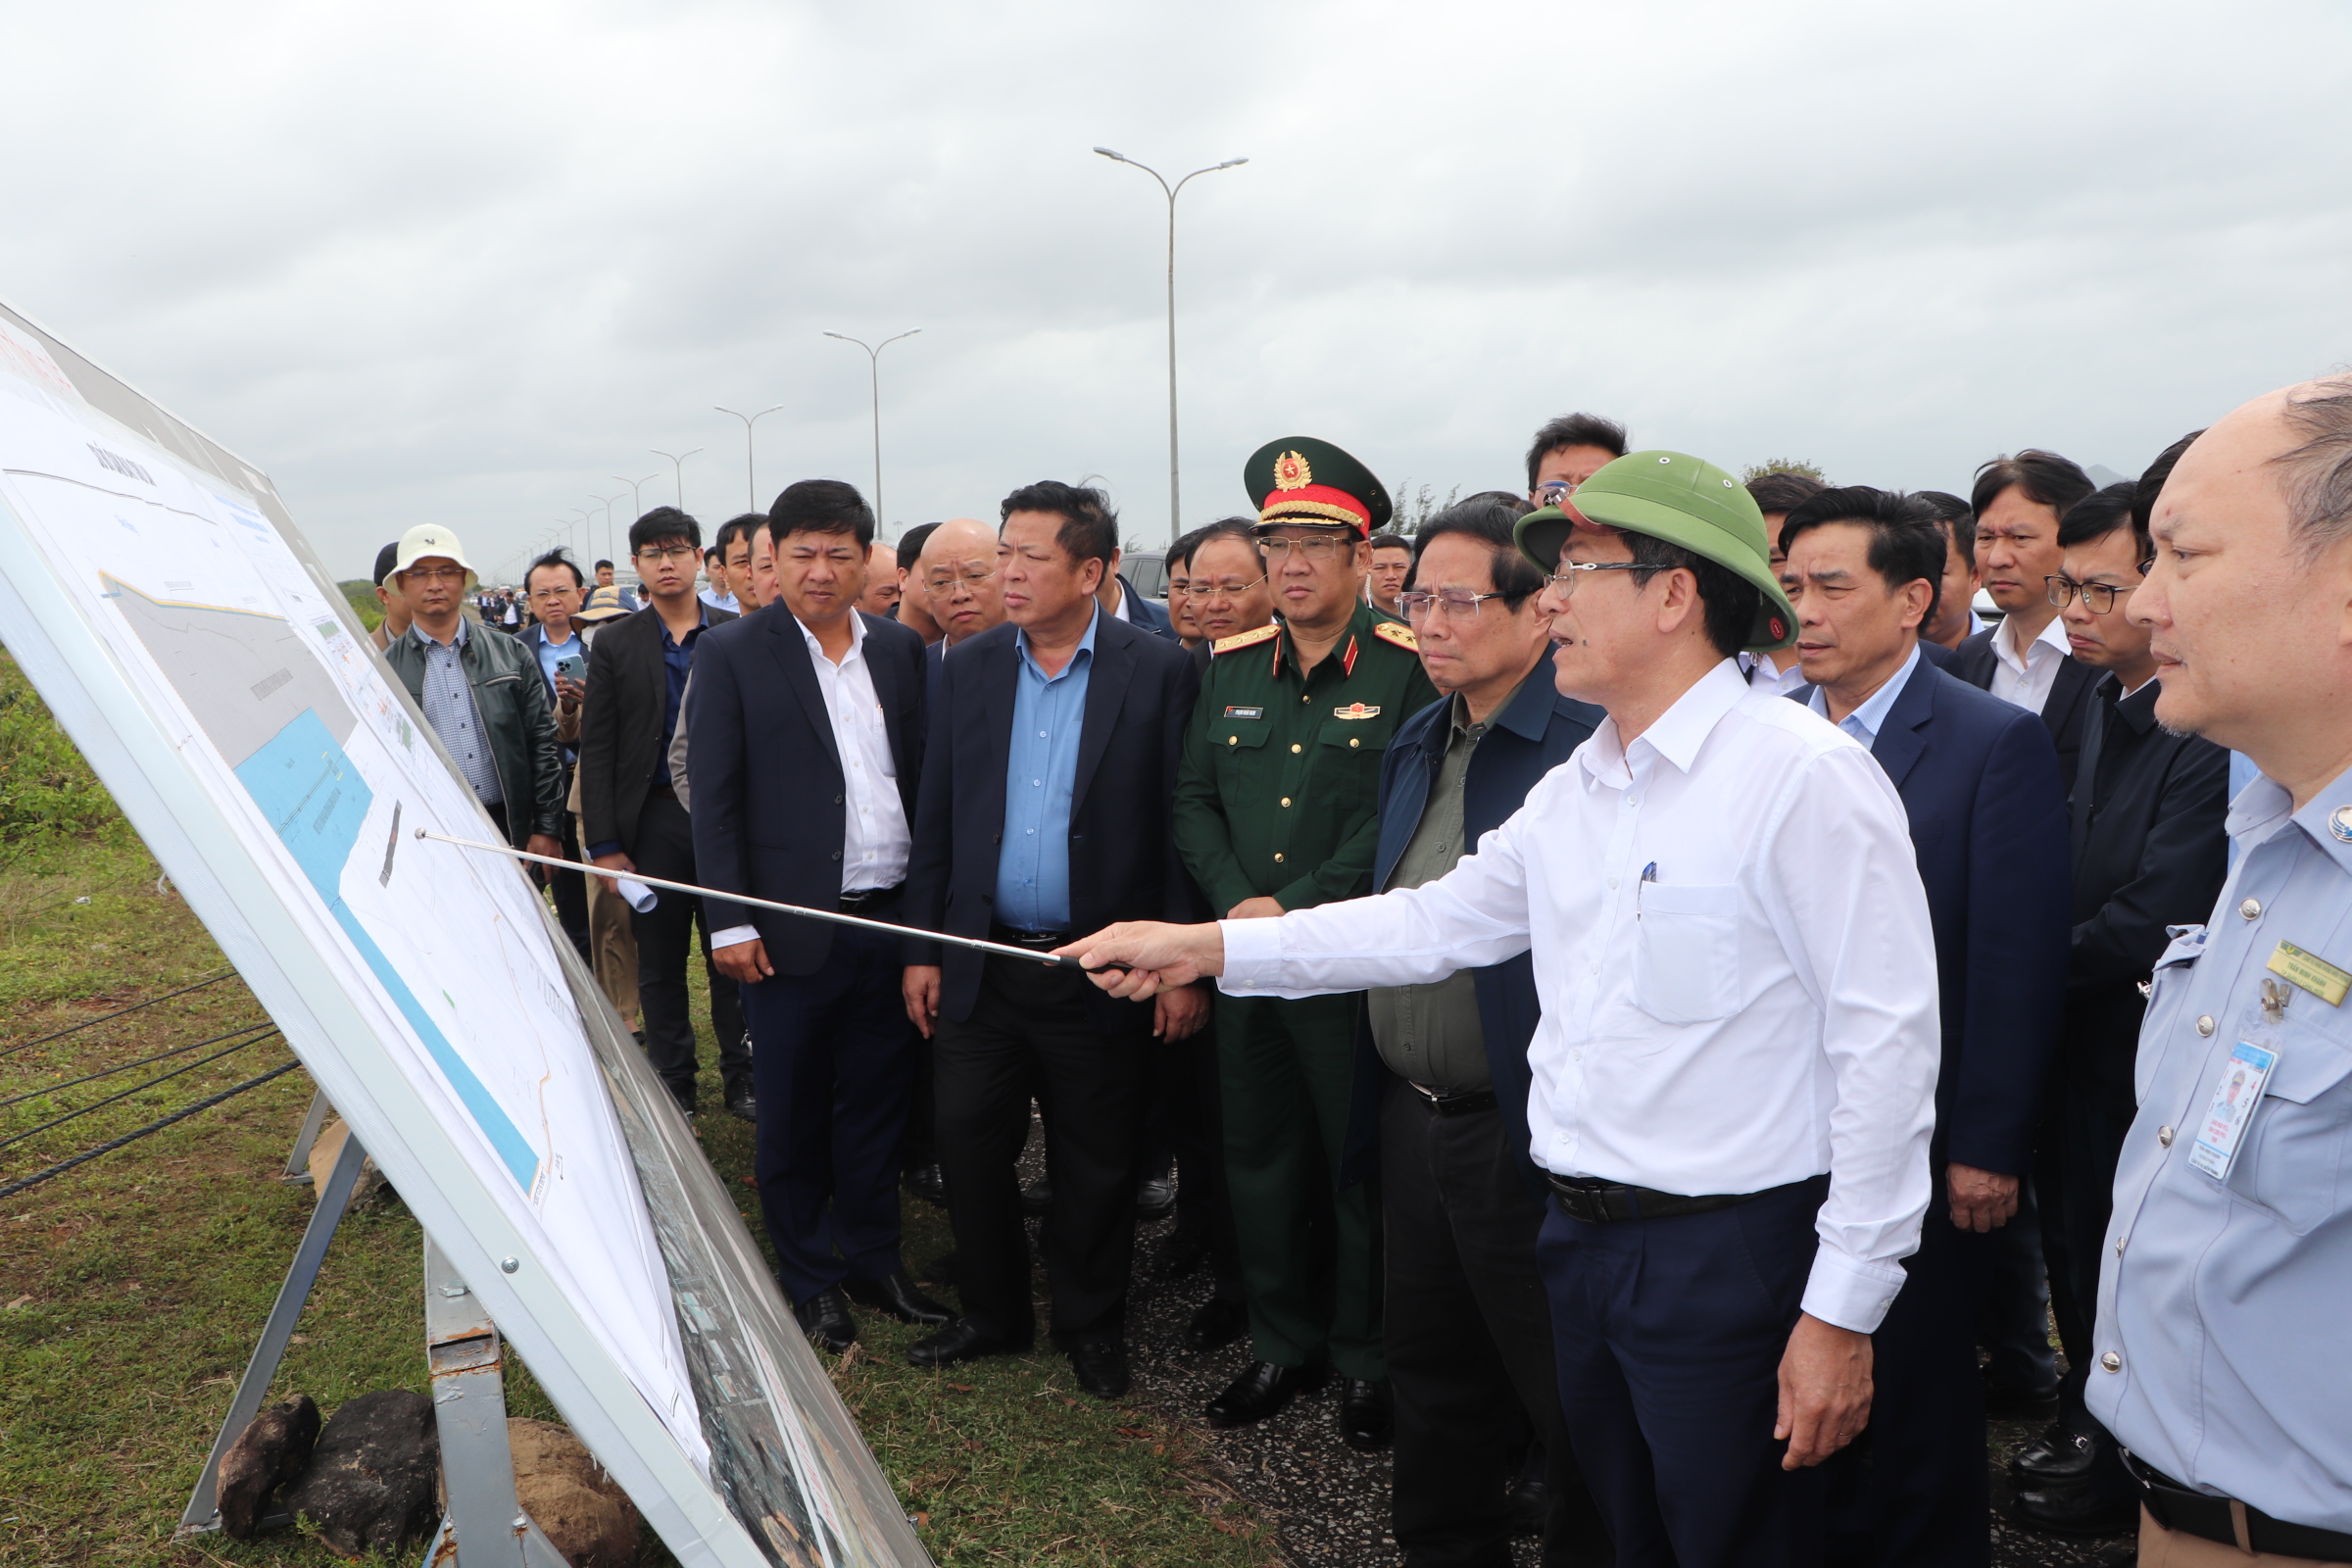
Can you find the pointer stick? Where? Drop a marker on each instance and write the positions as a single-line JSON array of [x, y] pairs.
[[1002, 949]]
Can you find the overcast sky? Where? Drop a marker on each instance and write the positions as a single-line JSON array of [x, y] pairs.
[[464, 264]]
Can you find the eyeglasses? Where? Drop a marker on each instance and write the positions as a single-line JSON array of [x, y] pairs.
[[1318, 551], [1460, 604], [971, 571], [431, 574], [656, 553], [1564, 579], [1205, 588], [2097, 597], [1557, 491]]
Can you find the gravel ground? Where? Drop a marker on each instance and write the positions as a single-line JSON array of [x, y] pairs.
[[1330, 1502]]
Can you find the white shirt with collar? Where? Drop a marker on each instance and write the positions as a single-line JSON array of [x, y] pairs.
[[1738, 992], [2026, 680], [1867, 719], [1762, 676], [875, 841]]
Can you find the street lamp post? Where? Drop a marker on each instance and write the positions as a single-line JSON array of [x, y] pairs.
[[636, 500], [873, 357], [605, 502], [1175, 511], [751, 484], [677, 466]]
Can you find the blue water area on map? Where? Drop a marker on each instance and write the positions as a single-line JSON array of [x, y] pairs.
[[317, 803]]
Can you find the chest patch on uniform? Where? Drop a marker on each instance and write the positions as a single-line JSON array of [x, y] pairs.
[[1244, 712], [2311, 972], [1357, 711]]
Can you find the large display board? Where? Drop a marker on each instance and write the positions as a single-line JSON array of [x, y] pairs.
[[154, 591]]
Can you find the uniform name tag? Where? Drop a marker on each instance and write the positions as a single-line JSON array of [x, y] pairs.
[[1244, 712], [2311, 972], [2234, 1100]]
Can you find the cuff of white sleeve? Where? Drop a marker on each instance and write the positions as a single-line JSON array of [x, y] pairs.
[[1253, 957], [1850, 1294], [734, 935]]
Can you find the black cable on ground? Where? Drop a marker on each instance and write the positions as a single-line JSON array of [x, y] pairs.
[[112, 1144], [92, 1023], [161, 1055], [158, 1078]]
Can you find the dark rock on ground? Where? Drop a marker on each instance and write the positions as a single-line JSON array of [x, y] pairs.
[[370, 1481], [271, 1450]]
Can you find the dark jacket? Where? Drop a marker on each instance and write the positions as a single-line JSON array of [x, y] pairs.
[[1533, 735], [621, 738], [517, 721], [2150, 851], [771, 809], [1978, 779], [1975, 660], [1123, 865], [1145, 614]]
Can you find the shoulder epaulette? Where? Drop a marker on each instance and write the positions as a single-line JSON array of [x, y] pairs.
[[1245, 639], [1393, 631]]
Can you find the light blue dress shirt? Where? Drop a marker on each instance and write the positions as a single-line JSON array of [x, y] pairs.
[[2225, 1305], [1864, 721], [1041, 772]]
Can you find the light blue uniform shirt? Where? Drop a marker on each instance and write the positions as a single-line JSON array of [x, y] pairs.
[[1041, 772], [1864, 721], [2225, 1306]]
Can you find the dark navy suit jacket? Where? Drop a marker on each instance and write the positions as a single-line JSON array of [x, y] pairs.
[[1535, 733], [1145, 614], [1123, 865], [1978, 779], [2069, 700], [770, 811]]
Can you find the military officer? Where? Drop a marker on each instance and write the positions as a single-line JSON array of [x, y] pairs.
[[1275, 810]]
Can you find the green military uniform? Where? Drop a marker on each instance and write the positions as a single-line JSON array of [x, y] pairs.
[[1276, 798]]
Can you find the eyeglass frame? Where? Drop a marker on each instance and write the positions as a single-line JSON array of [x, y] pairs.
[[1429, 598], [1314, 549], [1563, 576], [2060, 590], [1216, 589], [660, 553], [933, 589]]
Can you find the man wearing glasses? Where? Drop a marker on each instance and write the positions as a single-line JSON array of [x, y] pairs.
[[1732, 1078], [1567, 452], [629, 807], [961, 584], [1274, 812]]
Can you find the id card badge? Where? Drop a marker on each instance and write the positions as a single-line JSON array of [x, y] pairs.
[[2234, 1098]]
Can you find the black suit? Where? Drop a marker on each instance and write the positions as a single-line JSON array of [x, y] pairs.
[[626, 801], [1007, 1026], [1974, 662], [2150, 851], [833, 1050]]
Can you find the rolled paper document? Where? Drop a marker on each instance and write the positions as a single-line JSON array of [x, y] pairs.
[[639, 897]]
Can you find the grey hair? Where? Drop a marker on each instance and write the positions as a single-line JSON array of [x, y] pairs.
[[2317, 474]]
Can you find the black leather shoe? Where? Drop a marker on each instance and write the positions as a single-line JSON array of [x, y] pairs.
[[1101, 1367], [959, 1342], [2074, 1511], [741, 1103], [940, 1270], [826, 1318], [1155, 1199], [1367, 1418], [2003, 1403], [1259, 1392], [1179, 1256], [1529, 1506], [930, 1184], [1219, 1322], [2057, 1459], [896, 1296], [1036, 1196]]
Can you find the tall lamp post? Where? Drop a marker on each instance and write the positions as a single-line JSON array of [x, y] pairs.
[[678, 465], [873, 357], [750, 483], [1175, 511], [636, 499], [605, 502]]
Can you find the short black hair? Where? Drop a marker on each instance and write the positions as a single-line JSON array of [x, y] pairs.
[[554, 558], [385, 560], [1953, 514], [1244, 529], [2047, 477], [1905, 546], [1180, 553], [1390, 541], [1574, 430], [1492, 524], [1784, 492], [1520, 506], [2150, 487], [2099, 514], [662, 524], [911, 544], [604, 566], [739, 526], [1090, 528], [1731, 600], [822, 506]]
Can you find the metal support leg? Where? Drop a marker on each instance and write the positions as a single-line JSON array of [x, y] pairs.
[[298, 1161], [484, 1527], [203, 1513]]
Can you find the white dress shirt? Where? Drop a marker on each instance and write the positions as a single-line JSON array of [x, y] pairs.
[[2027, 681], [1867, 718], [875, 841], [1769, 681], [1760, 1009]]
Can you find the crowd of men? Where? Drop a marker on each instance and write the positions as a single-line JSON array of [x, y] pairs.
[[1637, 982]]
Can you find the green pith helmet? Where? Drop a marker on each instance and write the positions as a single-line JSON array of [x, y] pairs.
[[1685, 501], [1302, 482]]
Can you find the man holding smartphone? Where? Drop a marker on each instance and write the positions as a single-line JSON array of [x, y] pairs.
[[555, 588]]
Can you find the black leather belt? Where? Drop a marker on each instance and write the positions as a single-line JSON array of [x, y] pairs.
[[1465, 1103], [1598, 1203], [2193, 1513], [864, 898], [1038, 940]]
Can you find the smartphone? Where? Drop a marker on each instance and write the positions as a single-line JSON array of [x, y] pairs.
[[571, 666]]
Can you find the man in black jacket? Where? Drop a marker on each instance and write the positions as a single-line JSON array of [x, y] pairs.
[[1045, 810], [629, 811], [2150, 851]]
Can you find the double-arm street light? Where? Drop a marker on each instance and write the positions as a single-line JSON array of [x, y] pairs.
[[873, 357], [1175, 509], [677, 466], [751, 484], [636, 500]]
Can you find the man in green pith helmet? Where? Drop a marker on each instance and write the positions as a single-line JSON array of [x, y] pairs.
[[1275, 810]]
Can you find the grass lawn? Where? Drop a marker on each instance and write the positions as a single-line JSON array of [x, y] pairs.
[[132, 1287]]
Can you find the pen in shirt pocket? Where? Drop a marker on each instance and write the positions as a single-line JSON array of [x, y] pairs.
[[1649, 873]]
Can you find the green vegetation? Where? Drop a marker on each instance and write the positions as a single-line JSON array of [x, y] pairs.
[[131, 1289], [361, 594], [1757, 470]]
